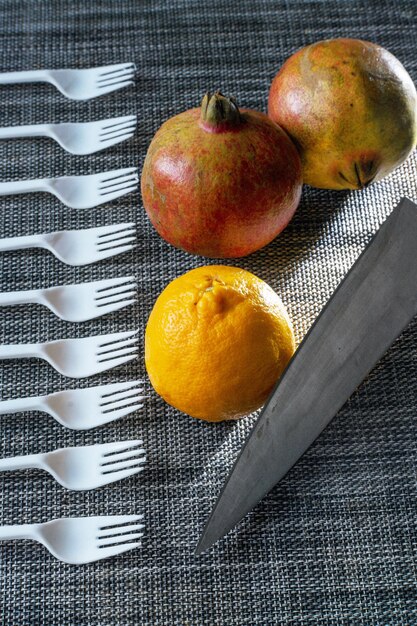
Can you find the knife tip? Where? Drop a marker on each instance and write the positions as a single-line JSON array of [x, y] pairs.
[[204, 543], [199, 549]]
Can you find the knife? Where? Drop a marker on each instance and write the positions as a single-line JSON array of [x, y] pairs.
[[372, 305]]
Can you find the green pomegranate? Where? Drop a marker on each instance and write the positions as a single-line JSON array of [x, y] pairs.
[[350, 107]]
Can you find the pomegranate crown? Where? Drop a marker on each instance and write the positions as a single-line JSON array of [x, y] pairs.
[[219, 111]]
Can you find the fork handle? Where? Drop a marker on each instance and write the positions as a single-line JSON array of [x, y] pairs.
[[33, 76], [21, 462], [20, 243], [20, 351], [23, 186], [18, 405], [22, 531], [31, 296], [33, 130]]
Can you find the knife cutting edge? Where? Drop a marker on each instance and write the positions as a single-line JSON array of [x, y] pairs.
[[372, 305]]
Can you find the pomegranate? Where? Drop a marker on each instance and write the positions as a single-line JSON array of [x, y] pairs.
[[219, 181], [351, 109]]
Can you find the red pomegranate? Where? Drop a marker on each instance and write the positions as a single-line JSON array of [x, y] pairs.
[[219, 181]]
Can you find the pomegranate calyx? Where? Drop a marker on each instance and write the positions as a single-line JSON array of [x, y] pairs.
[[219, 112]]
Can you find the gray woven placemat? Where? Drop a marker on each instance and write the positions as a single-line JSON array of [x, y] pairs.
[[335, 542]]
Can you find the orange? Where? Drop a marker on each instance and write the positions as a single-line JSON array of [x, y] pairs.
[[217, 340]]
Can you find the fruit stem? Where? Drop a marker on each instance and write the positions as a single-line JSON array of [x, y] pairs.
[[219, 112]]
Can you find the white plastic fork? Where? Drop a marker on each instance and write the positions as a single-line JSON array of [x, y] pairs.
[[79, 358], [81, 409], [79, 137], [79, 247], [79, 303], [78, 84], [80, 192], [85, 467], [79, 540]]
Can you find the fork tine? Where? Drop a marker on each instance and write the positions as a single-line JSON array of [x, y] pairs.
[[127, 236], [132, 353], [119, 530], [108, 143], [111, 69], [116, 134], [120, 180], [138, 464], [116, 415], [118, 130], [110, 88], [105, 253], [119, 172], [122, 475], [115, 139], [109, 197], [107, 284], [114, 78], [127, 290], [108, 349], [122, 400], [114, 337], [117, 293], [123, 123], [120, 450], [106, 364], [108, 231], [122, 539], [108, 417], [123, 187], [125, 347], [118, 80], [122, 71], [108, 521], [105, 553], [113, 307], [116, 237], [110, 284], [124, 300], [113, 347], [123, 241], [119, 184], [117, 388], [111, 174], [113, 476], [118, 446], [135, 452], [121, 466], [111, 122], [104, 70], [133, 456], [125, 403]]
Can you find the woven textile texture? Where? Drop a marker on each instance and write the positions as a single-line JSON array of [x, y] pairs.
[[335, 542]]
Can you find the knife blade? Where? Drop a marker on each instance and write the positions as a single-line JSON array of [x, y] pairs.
[[372, 305]]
